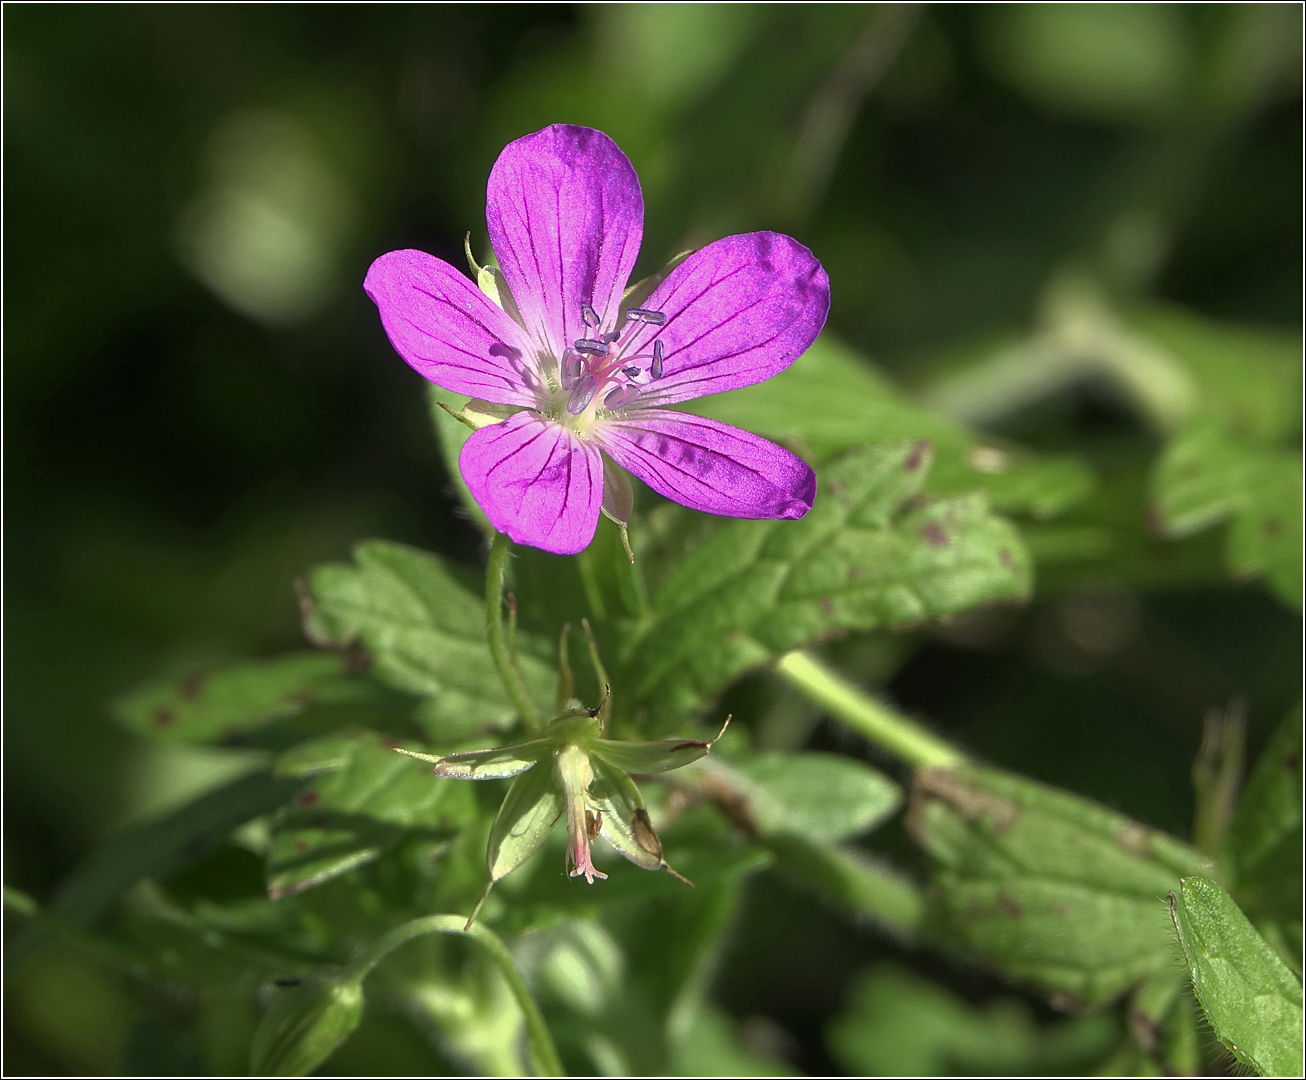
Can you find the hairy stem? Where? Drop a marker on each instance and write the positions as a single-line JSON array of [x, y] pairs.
[[889, 730], [503, 660], [544, 1052]]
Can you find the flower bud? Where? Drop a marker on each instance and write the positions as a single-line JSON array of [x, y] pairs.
[[305, 1024]]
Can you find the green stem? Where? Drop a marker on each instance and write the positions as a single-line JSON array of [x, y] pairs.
[[889, 730], [508, 671], [545, 1053]]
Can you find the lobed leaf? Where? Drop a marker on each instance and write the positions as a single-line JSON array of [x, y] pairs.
[[213, 707], [1045, 885], [868, 555], [834, 399], [350, 815], [1207, 475], [1252, 1000], [426, 629]]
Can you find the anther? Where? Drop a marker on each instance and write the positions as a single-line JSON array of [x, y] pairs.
[[582, 395], [572, 367], [589, 316], [655, 368], [594, 348], [633, 372], [621, 396], [647, 316]]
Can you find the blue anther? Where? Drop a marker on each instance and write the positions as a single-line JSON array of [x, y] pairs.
[[589, 316], [582, 395], [622, 395], [594, 348], [571, 367], [655, 368], [647, 316], [633, 372]]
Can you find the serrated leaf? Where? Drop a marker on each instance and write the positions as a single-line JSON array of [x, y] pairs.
[[1264, 843], [863, 558], [426, 629], [1251, 999], [1045, 885], [833, 399], [1206, 475], [349, 816], [529, 812], [215, 706]]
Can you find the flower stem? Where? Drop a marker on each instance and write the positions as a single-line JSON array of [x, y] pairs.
[[503, 658], [887, 729], [545, 1053]]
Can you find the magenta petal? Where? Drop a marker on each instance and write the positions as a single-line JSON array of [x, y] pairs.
[[566, 215], [738, 311], [449, 331], [536, 482], [710, 466]]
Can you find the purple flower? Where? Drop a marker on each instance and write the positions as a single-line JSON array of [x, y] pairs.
[[579, 374]]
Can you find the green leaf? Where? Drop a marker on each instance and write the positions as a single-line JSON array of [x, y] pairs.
[[833, 399], [1045, 885], [216, 706], [1207, 475], [350, 816], [1248, 379], [451, 436], [869, 554], [1252, 1000], [898, 1024], [1264, 843], [426, 629], [824, 797], [154, 850], [529, 812]]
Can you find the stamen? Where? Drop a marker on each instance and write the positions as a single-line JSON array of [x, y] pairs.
[[572, 367], [582, 395], [633, 372], [655, 368], [589, 316], [646, 316], [594, 348], [623, 395]]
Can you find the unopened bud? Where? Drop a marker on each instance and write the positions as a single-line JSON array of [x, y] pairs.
[[305, 1024]]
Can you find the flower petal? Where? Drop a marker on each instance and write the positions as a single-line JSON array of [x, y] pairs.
[[448, 331], [709, 466], [565, 215], [536, 482], [738, 311]]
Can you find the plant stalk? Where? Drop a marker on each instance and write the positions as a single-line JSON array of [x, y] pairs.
[[887, 729], [504, 660], [543, 1050]]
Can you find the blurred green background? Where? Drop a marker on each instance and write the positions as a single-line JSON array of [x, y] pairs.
[[200, 402]]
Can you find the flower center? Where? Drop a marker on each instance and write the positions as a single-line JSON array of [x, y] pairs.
[[611, 367]]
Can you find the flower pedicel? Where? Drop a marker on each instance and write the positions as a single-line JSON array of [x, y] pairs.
[[572, 371]]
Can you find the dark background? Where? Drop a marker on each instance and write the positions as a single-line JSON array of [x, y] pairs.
[[200, 403]]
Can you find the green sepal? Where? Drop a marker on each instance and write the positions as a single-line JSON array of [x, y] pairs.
[[1251, 998], [625, 824], [529, 812], [305, 1025], [650, 757], [498, 763], [636, 294]]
